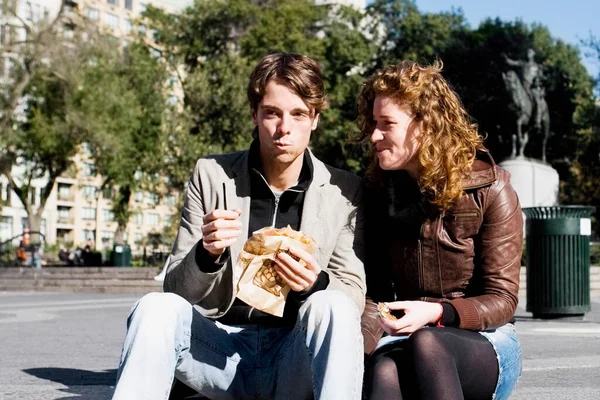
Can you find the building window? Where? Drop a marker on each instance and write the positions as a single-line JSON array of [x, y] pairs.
[[172, 100], [68, 32], [107, 193], [89, 169], [107, 236], [138, 196], [153, 219], [111, 20], [86, 235], [173, 81], [113, 2], [5, 192], [153, 199], [92, 14], [138, 219], [64, 215], [88, 213], [129, 5], [127, 26], [64, 192], [142, 7], [171, 200], [89, 192], [142, 30], [108, 215], [6, 229]]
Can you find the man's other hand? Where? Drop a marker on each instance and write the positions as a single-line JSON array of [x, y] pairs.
[[300, 277]]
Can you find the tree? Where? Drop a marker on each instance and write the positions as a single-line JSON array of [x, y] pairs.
[[37, 136], [403, 32], [347, 54], [583, 186], [124, 101]]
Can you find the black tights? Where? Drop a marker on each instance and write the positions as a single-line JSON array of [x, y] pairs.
[[434, 363]]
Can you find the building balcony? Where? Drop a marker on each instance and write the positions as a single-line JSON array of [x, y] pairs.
[[70, 197], [65, 221]]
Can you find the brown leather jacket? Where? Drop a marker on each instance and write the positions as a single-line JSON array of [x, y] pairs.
[[469, 256]]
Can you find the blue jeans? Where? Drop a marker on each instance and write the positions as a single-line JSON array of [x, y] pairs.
[[320, 357], [510, 359]]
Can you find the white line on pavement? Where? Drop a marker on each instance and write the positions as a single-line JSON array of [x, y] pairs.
[[557, 363], [48, 313], [129, 300]]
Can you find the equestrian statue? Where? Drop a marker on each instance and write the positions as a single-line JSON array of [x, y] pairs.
[[527, 102]]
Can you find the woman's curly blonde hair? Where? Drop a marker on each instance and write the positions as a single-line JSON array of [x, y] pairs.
[[449, 140]]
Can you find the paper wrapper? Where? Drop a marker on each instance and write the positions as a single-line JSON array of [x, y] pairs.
[[258, 284]]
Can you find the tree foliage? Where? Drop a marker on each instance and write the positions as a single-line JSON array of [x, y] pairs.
[[117, 101], [123, 100]]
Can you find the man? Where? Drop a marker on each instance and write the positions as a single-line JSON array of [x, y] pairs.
[[221, 347]]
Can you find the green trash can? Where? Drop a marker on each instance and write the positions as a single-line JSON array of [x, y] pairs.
[[558, 260], [121, 255]]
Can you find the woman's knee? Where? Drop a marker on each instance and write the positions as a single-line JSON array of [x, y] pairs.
[[423, 342], [383, 367]]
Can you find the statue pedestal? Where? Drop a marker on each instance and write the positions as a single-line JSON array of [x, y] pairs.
[[535, 182]]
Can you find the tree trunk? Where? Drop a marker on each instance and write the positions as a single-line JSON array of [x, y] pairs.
[[121, 210], [35, 225]]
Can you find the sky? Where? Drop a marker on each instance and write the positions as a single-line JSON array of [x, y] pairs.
[[569, 20]]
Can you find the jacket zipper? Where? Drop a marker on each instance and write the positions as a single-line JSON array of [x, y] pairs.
[[276, 209], [420, 264]]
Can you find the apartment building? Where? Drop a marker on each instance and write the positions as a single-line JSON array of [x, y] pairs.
[[78, 209]]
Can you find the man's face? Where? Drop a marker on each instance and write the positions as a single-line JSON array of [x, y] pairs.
[[284, 124]]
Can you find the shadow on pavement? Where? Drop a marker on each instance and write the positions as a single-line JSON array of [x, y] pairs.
[[77, 380]]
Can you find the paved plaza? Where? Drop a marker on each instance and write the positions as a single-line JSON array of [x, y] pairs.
[[66, 346]]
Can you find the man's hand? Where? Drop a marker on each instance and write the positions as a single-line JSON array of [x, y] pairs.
[[299, 277], [417, 314], [220, 230]]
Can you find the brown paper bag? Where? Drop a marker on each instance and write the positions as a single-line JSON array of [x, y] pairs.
[[258, 284]]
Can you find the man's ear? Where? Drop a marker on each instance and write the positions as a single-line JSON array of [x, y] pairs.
[[315, 122]]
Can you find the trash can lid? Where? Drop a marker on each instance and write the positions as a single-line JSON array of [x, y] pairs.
[[556, 212]]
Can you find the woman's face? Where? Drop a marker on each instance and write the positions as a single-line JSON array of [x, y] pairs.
[[395, 136]]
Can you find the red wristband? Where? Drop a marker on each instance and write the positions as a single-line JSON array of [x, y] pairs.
[[438, 320]]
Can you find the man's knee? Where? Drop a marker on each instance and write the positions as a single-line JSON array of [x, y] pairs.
[[161, 308], [330, 304]]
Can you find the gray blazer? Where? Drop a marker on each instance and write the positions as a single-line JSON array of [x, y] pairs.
[[332, 214]]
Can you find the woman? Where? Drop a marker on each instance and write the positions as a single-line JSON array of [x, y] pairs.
[[445, 239]]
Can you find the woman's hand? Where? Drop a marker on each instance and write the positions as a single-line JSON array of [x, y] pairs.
[[417, 314]]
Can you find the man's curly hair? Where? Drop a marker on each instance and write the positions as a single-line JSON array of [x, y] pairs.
[[449, 139]]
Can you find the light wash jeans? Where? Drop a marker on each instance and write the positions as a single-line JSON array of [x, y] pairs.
[[510, 359], [320, 357]]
